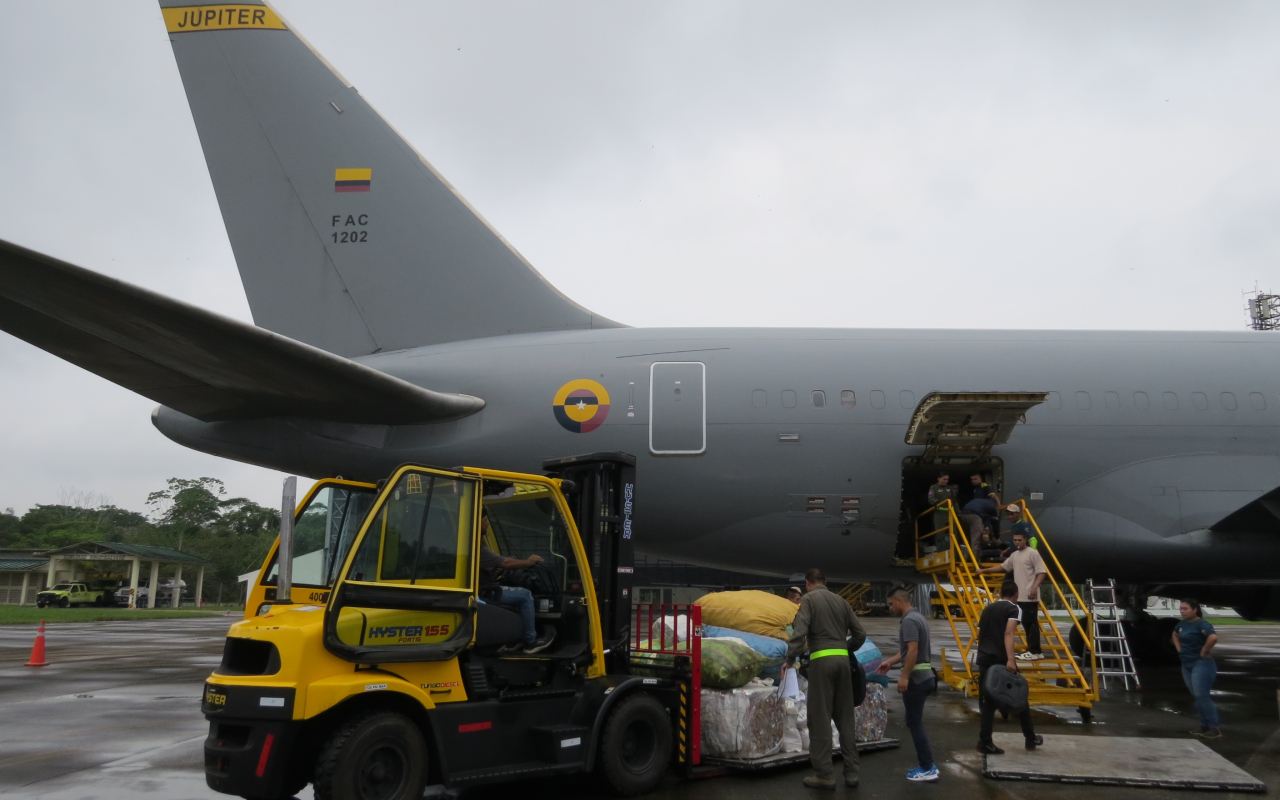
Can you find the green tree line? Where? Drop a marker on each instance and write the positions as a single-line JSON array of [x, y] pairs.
[[191, 515]]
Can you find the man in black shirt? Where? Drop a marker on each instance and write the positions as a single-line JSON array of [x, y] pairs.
[[996, 629]]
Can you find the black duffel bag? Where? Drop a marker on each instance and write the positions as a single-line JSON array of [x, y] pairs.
[[1008, 690], [540, 579]]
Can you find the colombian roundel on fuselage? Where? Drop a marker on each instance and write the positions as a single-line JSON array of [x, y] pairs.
[[581, 406]]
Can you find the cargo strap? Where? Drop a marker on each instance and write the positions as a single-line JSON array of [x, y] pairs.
[[835, 651]]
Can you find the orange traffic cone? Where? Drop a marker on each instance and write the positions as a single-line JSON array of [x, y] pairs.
[[37, 650]]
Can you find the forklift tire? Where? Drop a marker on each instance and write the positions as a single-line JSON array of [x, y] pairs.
[[635, 746], [64, 602], [379, 756]]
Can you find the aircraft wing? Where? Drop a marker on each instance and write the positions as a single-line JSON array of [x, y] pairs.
[[203, 364]]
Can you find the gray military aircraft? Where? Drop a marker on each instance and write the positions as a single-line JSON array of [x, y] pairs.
[[394, 324]]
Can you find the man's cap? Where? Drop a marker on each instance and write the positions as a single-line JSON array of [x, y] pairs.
[[1015, 508], [795, 589]]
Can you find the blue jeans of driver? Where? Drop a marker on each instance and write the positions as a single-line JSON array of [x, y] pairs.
[[1199, 676], [913, 699], [521, 601]]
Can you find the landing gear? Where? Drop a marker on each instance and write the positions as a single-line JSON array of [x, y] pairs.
[[635, 747]]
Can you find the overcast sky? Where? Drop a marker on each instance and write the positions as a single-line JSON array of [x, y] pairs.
[[1069, 165]]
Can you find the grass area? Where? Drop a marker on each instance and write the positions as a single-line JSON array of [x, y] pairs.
[[1216, 621], [27, 615]]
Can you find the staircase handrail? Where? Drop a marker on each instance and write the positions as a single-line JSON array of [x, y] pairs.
[[1088, 614]]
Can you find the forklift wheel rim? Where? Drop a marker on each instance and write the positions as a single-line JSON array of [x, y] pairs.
[[383, 772], [639, 746]]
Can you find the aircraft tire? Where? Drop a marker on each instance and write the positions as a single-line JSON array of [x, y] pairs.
[[635, 746], [380, 755]]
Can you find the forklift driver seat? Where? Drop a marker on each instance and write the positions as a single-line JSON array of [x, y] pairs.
[[496, 626]]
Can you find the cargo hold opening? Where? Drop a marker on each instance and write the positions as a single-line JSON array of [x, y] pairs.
[[957, 431]]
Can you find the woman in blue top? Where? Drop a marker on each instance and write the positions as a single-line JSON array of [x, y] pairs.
[[1194, 638]]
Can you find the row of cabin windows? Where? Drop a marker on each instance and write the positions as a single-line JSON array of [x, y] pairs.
[[1084, 401], [1169, 400], [759, 398]]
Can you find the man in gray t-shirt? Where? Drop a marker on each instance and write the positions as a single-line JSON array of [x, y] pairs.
[[916, 682]]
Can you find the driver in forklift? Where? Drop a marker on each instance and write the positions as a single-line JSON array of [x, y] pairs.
[[515, 598]]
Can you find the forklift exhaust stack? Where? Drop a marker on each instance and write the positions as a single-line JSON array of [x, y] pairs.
[[284, 556]]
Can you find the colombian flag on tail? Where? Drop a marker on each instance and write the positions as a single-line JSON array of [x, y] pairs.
[[352, 180]]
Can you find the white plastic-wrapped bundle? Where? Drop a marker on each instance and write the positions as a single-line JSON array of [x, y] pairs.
[[872, 717], [792, 741], [743, 723], [666, 631]]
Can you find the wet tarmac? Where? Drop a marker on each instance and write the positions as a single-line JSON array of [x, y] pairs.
[[116, 715]]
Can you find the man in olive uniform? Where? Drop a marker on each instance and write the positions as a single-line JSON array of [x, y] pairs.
[[828, 629], [942, 490]]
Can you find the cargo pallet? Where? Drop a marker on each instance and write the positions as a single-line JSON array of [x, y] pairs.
[[678, 653]]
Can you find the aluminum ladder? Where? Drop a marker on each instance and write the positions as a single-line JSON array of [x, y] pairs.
[[1115, 660]]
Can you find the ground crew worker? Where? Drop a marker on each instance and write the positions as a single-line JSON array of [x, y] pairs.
[[916, 681], [828, 629], [794, 594], [1019, 525], [940, 491]]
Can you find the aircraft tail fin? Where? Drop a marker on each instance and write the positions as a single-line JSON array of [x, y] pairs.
[[345, 237]]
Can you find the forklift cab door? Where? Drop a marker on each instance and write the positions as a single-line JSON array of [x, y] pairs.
[[407, 590], [325, 524]]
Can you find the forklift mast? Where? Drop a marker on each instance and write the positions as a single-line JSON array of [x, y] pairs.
[[602, 501]]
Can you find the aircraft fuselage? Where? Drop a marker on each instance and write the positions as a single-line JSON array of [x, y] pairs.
[[1128, 491]]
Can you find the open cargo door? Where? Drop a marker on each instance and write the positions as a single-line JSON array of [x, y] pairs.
[[968, 423]]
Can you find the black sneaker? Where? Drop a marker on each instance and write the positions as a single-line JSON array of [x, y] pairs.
[[508, 649], [1035, 742], [990, 749], [539, 644]]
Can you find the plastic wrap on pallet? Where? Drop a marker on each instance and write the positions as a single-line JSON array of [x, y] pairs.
[[747, 722], [872, 717]]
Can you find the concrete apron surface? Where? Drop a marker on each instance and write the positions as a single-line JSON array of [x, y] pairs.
[[116, 715]]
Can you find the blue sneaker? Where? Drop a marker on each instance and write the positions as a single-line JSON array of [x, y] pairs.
[[921, 775]]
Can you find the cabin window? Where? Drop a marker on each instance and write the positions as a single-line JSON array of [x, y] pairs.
[[1258, 402], [1228, 401], [1113, 401], [848, 400], [1199, 400], [789, 398], [819, 398], [1170, 401], [1083, 401], [877, 398], [906, 399], [1141, 401], [1054, 401], [759, 399]]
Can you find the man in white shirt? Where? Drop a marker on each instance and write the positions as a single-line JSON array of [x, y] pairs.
[[1028, 571]]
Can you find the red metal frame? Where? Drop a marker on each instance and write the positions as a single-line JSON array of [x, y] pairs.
[[687, 619]]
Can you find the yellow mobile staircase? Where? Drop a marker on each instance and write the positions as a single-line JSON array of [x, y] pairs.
[[855, 594], [1059, 679]]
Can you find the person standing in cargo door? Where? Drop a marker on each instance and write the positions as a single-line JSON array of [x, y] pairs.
[[917, 680], [827, 628]]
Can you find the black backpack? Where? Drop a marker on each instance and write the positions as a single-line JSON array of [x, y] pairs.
[[1008, 690]]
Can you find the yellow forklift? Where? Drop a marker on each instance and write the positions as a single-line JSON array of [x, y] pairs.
[[373, 660]]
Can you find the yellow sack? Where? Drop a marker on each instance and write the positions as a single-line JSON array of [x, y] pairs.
[[752, 611]]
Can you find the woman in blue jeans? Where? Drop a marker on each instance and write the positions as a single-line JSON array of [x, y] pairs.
[[1194, 640]]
